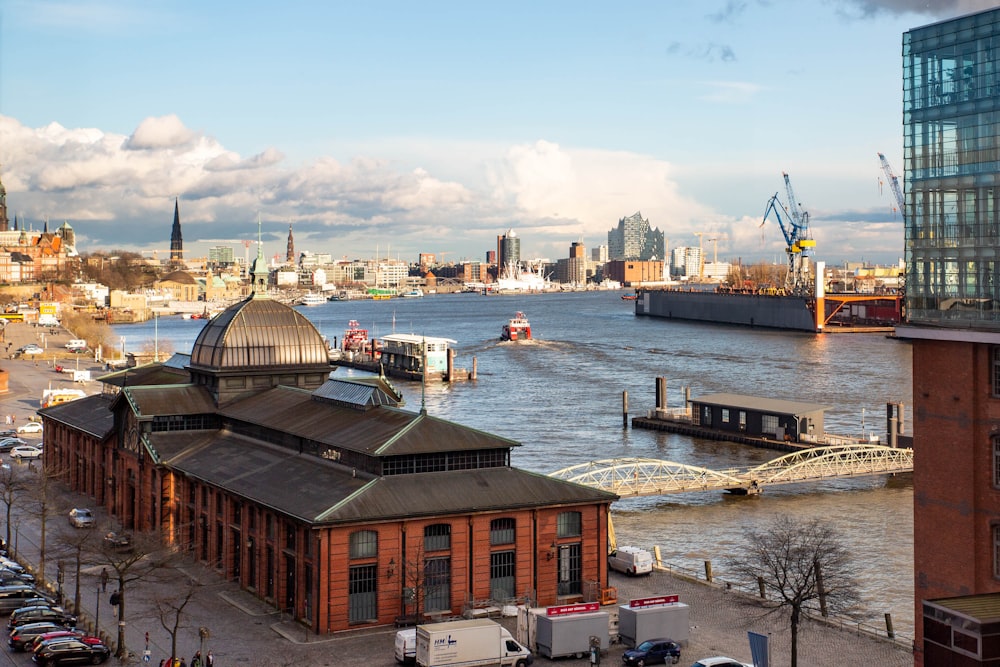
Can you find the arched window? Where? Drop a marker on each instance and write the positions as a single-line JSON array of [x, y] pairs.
[[364, 544], [437, 537], [502, 531]]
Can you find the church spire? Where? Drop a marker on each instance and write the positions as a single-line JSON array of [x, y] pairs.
[[176, 242], [290, 254], [3, 209]]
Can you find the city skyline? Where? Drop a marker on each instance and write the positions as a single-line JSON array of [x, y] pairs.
[[398, 129]]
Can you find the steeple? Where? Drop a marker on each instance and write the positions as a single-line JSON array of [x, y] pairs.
[[45, 229], [259, 271], [290, 255], [176, 242], [3, 208]]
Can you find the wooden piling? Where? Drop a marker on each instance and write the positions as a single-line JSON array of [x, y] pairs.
[[708, 571], [890, 632], [475, 368], [624, 409]]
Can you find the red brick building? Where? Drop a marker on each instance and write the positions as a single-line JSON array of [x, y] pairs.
[[323, 497]]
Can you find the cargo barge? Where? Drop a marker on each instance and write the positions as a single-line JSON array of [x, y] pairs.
[[824, 313]]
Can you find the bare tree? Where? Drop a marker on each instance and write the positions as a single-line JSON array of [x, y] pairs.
[[45, 491], [801, 563], [139, 558], [78, 544], [170, 612], [12, 487]]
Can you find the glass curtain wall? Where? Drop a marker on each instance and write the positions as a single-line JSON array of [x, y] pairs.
[[951, 128]]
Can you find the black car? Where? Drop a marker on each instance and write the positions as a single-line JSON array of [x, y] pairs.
[[24, 636], [653, 652], [71, 652], [22, 595], [39, 614]]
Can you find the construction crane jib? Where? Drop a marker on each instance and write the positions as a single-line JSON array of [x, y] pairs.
[[799, 245], [894, 185]]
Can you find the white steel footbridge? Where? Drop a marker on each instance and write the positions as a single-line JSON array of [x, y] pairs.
[[632, 477]]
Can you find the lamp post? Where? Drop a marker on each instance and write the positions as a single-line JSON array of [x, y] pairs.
[[97, 613]]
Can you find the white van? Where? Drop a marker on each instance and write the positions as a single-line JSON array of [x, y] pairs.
[[631, 560], [406, 646], [76, 345]]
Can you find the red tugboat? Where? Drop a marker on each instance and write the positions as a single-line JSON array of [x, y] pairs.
[[518, 328], [356, 340]]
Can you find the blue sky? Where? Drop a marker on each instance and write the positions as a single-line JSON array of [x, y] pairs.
[[401, 127]]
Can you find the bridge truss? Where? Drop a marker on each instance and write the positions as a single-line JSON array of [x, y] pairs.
[[633, 477]]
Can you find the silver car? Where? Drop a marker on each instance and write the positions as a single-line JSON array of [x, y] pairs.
[[81, 518]]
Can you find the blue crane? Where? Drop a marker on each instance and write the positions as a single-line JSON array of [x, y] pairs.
[[798, 243]]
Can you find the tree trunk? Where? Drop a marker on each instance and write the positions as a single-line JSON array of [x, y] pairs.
[[122, 650], [795, 635]]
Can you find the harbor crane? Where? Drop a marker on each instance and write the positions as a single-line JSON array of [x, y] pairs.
[[799, 245], [897, 191]]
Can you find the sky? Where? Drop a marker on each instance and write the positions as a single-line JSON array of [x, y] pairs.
[[387, 129]]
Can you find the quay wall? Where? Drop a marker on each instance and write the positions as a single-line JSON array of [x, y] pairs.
[[754, 310]]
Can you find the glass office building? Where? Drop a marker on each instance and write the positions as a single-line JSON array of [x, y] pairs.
[[951, 126]]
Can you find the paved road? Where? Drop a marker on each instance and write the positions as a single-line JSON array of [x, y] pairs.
[[244, 631]]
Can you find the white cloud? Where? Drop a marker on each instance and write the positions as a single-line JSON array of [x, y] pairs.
[[118, 197], [162, 132]]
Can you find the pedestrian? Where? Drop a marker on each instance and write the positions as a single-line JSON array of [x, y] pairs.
[[162, 661], [183, 663], [104, 580], [209, 660], [196, 660]]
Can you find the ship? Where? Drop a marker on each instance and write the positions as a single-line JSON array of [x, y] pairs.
[[517, 328]]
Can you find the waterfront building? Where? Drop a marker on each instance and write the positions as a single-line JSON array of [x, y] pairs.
[[951, 132], [635, 239], [320, 496], [634, 273], [509, 250], [573, 269], [685, 262]]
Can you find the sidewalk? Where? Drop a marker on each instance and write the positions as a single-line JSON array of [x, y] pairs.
[[244, 631]]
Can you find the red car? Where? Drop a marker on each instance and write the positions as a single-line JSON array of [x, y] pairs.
[[60, 634]]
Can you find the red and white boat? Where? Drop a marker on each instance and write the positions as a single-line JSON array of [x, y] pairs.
[[356, 339], [518, 328]]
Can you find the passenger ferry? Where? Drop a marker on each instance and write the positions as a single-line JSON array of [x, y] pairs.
[[517, 328]]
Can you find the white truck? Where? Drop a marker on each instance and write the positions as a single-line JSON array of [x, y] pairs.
[[471, 643]]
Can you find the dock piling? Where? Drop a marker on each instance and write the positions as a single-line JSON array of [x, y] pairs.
[[625, 409]]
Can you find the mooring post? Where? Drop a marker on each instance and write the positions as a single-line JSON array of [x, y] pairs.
[[888, 626], [625, 409], [475, 367], [708, 571], [451, 364]]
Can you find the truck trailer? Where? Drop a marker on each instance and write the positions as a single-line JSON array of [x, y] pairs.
[[471, 643]]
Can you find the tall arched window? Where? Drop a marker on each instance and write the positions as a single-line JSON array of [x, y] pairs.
[[569, 524]]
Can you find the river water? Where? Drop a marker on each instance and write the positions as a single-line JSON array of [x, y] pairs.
[[560, 395]]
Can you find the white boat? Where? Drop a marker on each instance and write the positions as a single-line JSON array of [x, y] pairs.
[[514, 280], [413, 293], [518, 328], [312, 299]]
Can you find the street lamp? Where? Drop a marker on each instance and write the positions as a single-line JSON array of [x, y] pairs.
[[97, 614]]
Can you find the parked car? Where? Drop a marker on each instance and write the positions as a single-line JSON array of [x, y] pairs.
[[118, 541], [26, 452], [22, 637], [80, 517], [9, 576], [30, 427], [653, 652], [8, 433], [64, 634], [7, 444], [71, 651], [720, 661], [11, 564], [77, 345], [39, 614], [15, 596], [29, 350]]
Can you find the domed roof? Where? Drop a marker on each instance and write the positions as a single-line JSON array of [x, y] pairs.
[[259, 333]]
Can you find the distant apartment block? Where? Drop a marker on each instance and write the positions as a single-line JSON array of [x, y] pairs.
[[685, 262], [509, 248], [599, 254]]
